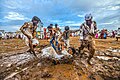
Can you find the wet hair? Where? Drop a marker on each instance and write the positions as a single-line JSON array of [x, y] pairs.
[[49, 27], [66, 28], [36, 19], [51, 24], [56, 24]]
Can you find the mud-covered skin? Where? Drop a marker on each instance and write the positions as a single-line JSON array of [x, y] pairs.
[[88, 33], [64, 39], [29, 30], [29, 26], [90, 45]]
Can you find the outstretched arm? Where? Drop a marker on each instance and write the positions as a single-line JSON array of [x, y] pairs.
[[72, 31]]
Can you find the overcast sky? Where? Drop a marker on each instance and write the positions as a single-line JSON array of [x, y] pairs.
[[13, 13]]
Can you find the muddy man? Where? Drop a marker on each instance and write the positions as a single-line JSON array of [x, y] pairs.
[[64, 38], [88, 30], [29, 30]]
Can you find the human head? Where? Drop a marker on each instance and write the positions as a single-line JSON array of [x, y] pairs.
[[56, 25], [88, 19], [66, 28], [51, 25], [35, 20]]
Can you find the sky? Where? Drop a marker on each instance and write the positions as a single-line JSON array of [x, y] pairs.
[[13, 13]]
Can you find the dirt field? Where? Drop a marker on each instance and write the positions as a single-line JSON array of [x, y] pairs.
[[18, 44], [17, 64]]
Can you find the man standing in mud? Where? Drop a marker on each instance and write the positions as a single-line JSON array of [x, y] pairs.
[[29, 30], [54, 38], [88, 30]]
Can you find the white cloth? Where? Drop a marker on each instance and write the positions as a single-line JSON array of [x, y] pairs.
[[50, 52], [35, 41]]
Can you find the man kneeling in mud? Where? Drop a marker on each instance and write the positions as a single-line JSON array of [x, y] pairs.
[[88, 30], [29, 30]]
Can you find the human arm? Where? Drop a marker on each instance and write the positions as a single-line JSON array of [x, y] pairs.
[[25, 25], [72, 31]]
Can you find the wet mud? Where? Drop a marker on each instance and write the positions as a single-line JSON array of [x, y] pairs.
[[24, 66]]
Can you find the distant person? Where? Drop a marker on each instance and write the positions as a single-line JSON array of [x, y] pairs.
[[96, 36], [105, 34], [118, 34], [29, 30], [102, 34], [45, 33], [88, 30], [0, 35], [113, 34]]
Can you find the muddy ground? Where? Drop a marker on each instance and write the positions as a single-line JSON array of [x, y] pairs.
[[18, 64]]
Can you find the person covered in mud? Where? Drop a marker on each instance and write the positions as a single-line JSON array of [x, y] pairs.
[[29, 30], [88, 30], [65, 37], [49, 33], [54, 38], [57, 34], [50, 27]]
